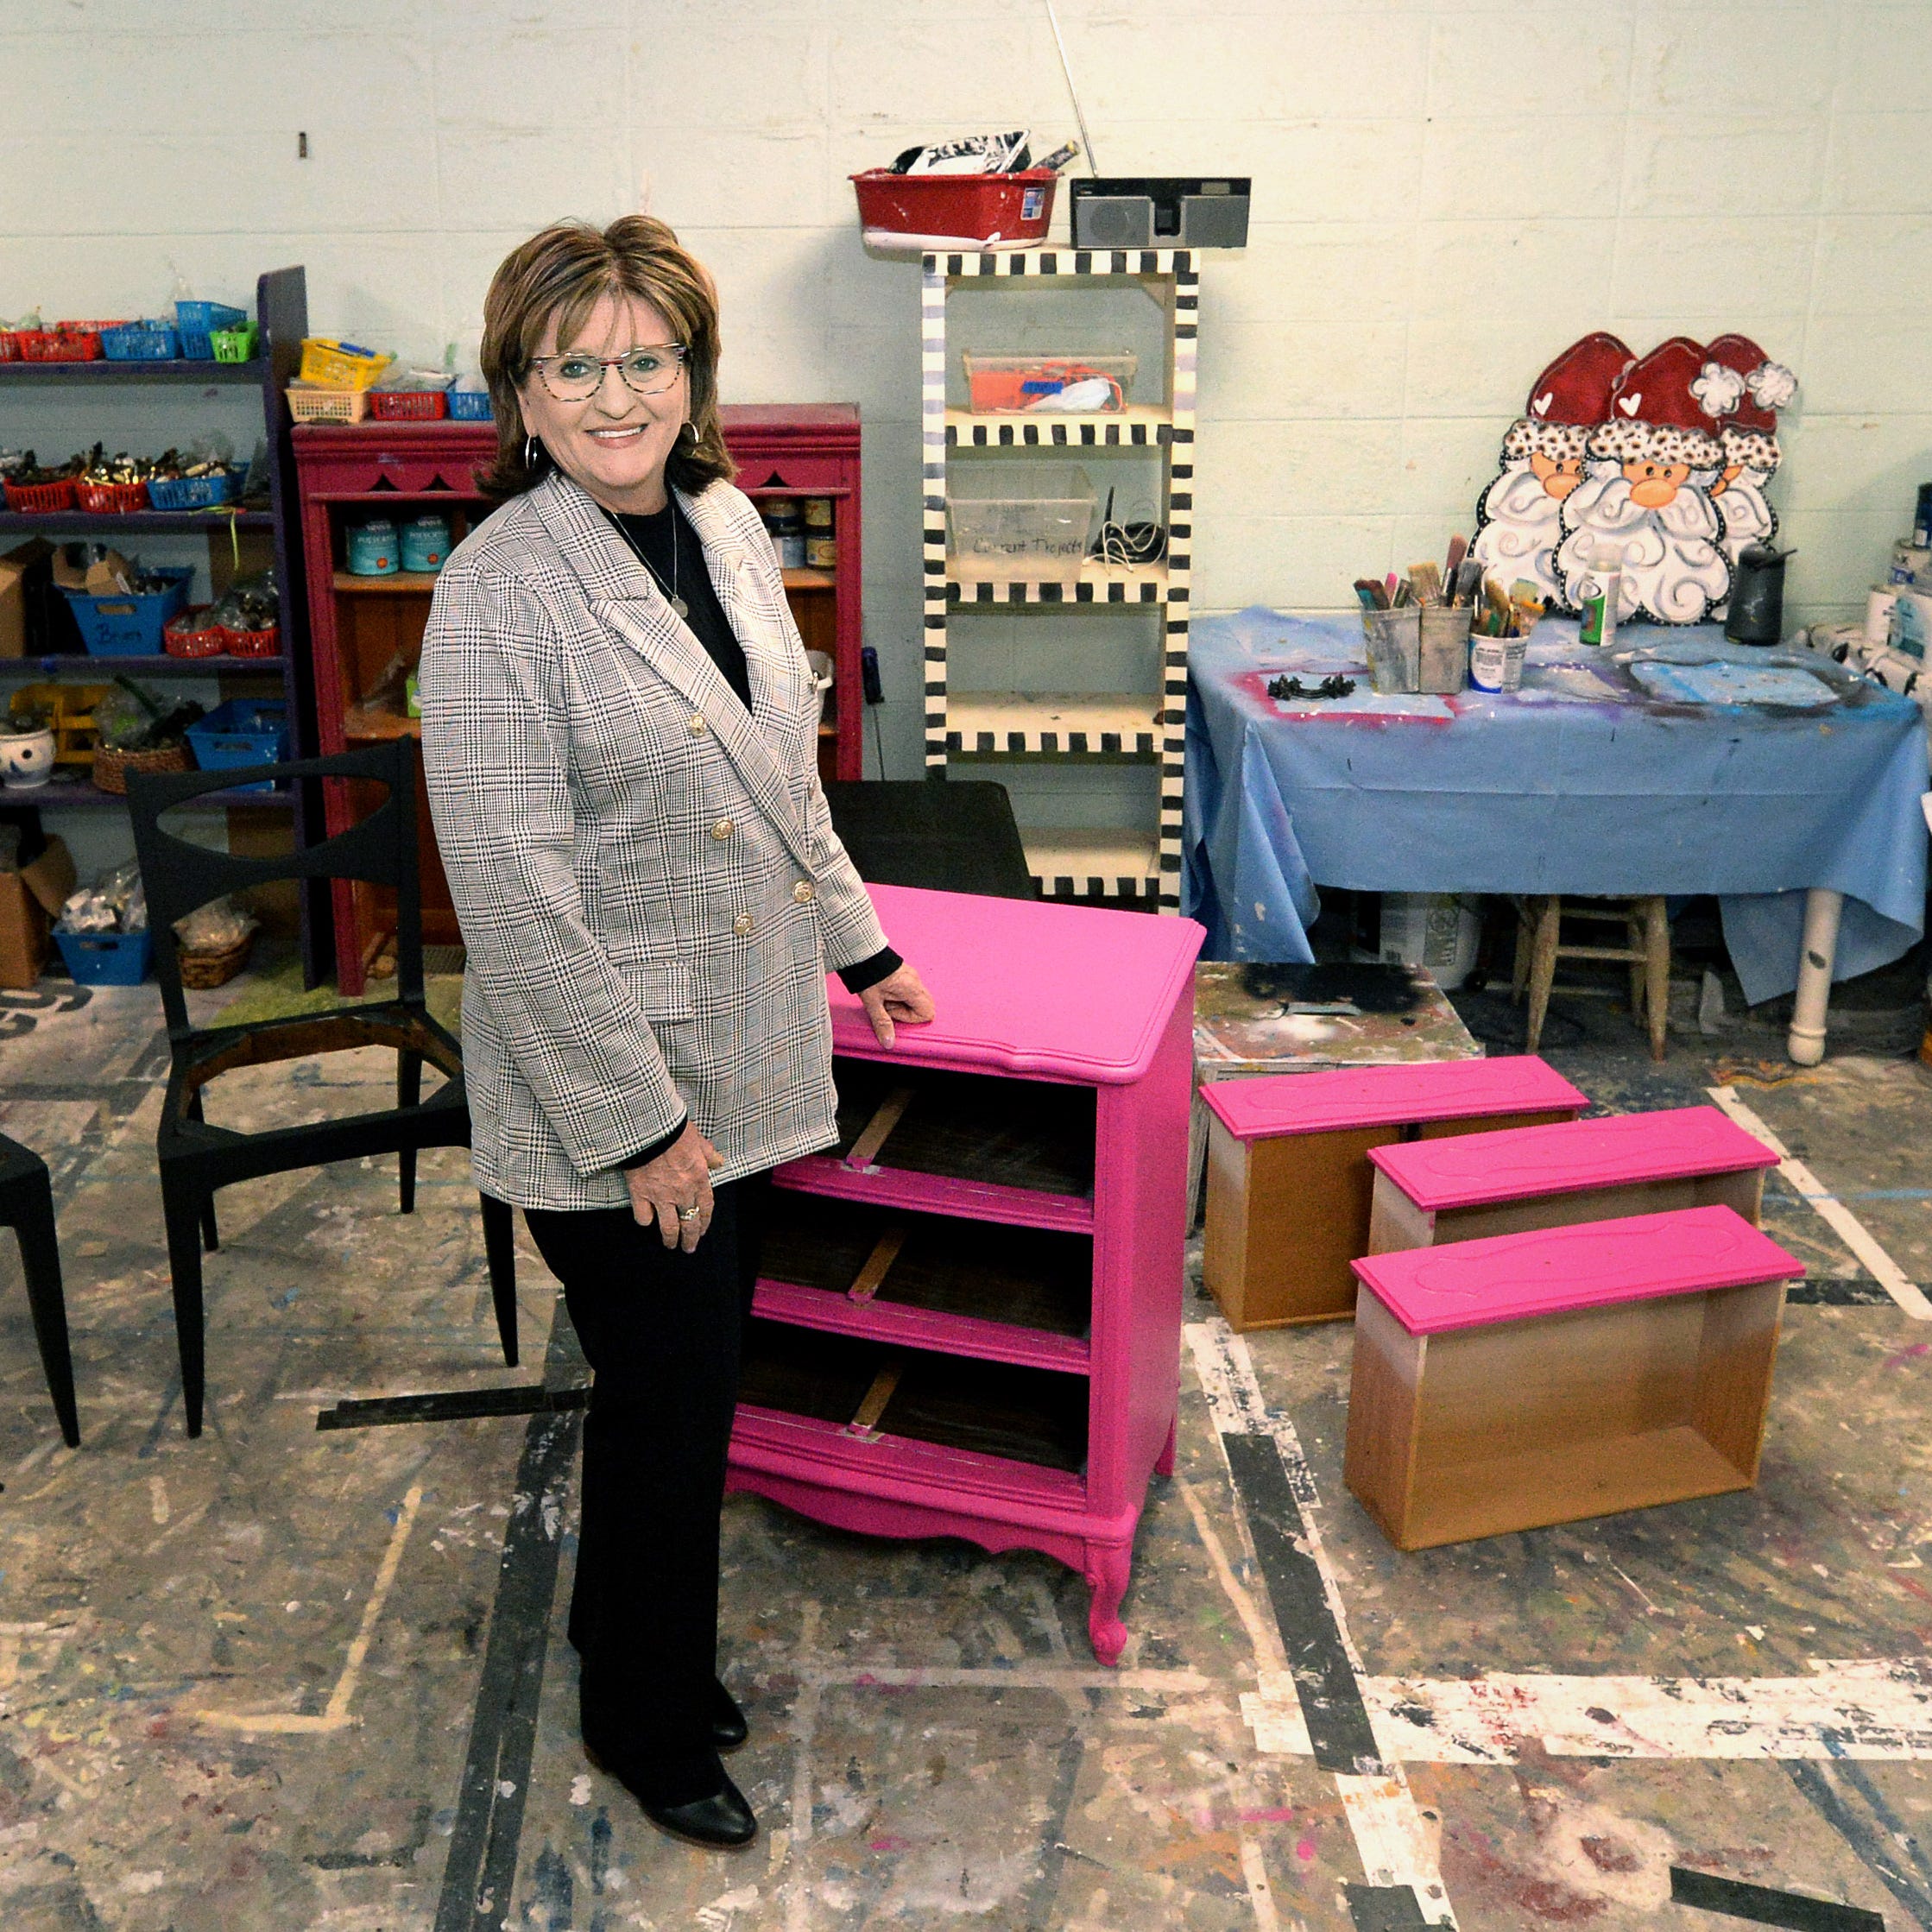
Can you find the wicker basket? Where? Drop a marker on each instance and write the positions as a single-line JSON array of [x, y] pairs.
[[204, 969], [112, 766]]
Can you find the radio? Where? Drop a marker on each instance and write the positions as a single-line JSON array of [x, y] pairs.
[[1158, 210]]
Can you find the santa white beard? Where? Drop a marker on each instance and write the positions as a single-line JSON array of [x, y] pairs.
[[1521, 525], [1747, 517], [1672, 569]]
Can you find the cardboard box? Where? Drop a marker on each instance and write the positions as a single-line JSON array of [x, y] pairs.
[[14, 567], [29, 899]]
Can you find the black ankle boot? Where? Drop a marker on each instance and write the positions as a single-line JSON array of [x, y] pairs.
[[723, 1823], [729, 1727]]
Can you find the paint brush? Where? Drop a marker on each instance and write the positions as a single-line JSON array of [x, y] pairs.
[[1458, 549], [1426, 581], [1468, 580], [1371, 595]]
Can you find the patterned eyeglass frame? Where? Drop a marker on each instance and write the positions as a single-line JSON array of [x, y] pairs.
[[679, 350]]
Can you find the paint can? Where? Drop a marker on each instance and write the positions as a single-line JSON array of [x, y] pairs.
[[1394, 642], [1911, 563], [1496, 663], [787, 529], [1878, 613], [1911, 621], [1922, 520], [821, 546], [1600, 595], [425, 543], [372, 549], [1445, 648]]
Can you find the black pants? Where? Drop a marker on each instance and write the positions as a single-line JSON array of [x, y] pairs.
[[662, 1330]]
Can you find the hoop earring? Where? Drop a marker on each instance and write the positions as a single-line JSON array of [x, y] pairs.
[[530, 447]]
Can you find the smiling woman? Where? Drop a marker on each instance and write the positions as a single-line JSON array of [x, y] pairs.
[[620, 740]]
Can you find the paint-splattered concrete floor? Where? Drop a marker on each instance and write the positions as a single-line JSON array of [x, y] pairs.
[[241, 1678]]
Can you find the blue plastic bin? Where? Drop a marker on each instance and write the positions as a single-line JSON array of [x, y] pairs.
[[242, 732], [107, 958], [140, 342], [130, 626], [193, 493], [198, 320], [469, 406]]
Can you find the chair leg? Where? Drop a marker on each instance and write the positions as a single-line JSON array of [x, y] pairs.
[[1633, 939], [40, 1260], [183, 1211], [1519, 968], [500, 1248], [1542, 964], [408, 1092], [1657, 971], [210, 1235]]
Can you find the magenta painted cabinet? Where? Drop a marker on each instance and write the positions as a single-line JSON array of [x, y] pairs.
[[967, 1321]]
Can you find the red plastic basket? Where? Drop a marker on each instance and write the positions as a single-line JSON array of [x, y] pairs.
[[110, 499], [188, 636], [38, 499], [10, 346], [252, 643], [416, 406], [66, 342], [965, 208]]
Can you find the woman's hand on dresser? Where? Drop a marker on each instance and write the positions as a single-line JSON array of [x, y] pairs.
[[899, 999], [666, 1189]]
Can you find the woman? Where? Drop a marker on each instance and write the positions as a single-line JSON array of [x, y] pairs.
[[620, 737]]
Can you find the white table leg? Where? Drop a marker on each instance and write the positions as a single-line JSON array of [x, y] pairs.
[[1806, 1041]]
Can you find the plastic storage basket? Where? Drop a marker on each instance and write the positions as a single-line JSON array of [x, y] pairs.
[[194, 493], [129, 626], [944, 209], [242, 732], [140, 342], [198, 321], [1020, 520], [469, 406], [39, 499], [414, 405], [107, 958], [1005, 385], [310, 402], [188, 634], [340, 365], [66, 342], [110, 499], [233, 345]]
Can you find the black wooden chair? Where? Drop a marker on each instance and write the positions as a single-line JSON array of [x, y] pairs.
[[955, 836], [26, 1207], [197, 1158]]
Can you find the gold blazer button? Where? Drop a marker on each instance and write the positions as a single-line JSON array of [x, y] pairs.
[[722, 829], [805, 892], [742, 926], [697, 727]]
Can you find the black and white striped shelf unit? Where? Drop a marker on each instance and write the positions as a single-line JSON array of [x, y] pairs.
[[1142, 865]]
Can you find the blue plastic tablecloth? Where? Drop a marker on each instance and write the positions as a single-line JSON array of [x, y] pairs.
[[1584, 781]]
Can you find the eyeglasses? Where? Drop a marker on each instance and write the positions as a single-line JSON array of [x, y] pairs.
[[576, 376]]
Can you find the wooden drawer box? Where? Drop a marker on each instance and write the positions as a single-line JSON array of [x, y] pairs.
[[1437, 1191], [1289, 1182], [1526, 1380]]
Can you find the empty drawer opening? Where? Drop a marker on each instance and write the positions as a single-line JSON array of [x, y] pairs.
[[1026, 1277], [968, 1127], [869, 1388]]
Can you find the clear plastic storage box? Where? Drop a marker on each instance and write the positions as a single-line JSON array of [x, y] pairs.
[[1048, 385], [1020, 519]]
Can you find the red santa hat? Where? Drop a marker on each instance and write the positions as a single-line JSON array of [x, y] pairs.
[[1568, 400], [1656, 414], [1748, 389]]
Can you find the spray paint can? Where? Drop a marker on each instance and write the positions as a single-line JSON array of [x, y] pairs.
[[1921, 522], [1599, 593]]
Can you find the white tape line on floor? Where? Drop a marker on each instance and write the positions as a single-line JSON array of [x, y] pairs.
[[1833, 1211]]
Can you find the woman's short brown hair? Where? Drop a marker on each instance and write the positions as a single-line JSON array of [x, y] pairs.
[[561, 273]]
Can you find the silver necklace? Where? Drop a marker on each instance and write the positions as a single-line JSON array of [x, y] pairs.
[[670, 590]]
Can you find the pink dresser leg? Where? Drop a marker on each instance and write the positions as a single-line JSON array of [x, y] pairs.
[[1108, 1566], [1164, 1464]]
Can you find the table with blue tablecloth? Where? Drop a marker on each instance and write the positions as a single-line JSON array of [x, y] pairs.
[[1672, 763]]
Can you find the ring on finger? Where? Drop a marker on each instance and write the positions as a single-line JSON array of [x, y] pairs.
[[691, 1213]]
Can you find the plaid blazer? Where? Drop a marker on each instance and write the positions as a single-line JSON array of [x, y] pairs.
[[647, 878]]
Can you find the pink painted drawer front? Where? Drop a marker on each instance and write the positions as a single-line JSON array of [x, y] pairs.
[[1556, 1271], [1286, 1103], [1023, 986], [1514, 1164]]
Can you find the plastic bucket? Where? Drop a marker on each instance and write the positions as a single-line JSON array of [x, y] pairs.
[[958, 207]]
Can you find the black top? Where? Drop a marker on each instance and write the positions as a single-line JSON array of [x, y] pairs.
[[671, 549]]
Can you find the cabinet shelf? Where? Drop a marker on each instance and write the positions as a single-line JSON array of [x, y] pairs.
[[79, 794], [1101, 585], [1139, 425], [71, 669], [1093, 864], [199, 374], [139, 523], [361, 726], [396, 584], [1058, 725]]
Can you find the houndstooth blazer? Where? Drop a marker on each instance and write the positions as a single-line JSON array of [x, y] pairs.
[[648, 881]]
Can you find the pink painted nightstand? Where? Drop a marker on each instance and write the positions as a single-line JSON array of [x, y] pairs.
[[968, 1319]]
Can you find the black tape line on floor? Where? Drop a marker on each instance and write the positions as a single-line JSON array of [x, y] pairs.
[[1384, 1908], [1331, 1699], [527, 1398], [1764, 1905], [481, 1871]]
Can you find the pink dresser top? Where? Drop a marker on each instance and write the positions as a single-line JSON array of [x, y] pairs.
[[1283, 1103], [1025, 986], [1509, 1277], [1475, 1169]]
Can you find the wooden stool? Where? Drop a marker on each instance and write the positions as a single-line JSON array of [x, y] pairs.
[[1538, 947], [1533, 1379], [1438, 1191], [1289, 1182]]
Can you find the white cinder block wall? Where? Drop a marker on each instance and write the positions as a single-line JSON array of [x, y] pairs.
[[1444, 196]]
